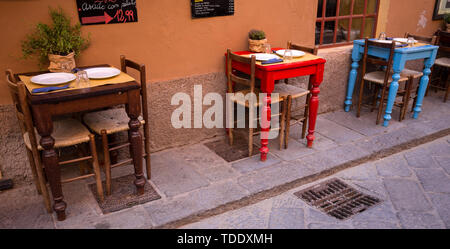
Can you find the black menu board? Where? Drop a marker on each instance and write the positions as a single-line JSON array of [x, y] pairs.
[[106, 11], [210, 8]]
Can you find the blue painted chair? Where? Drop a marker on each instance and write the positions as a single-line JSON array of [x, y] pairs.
[[382, 78]]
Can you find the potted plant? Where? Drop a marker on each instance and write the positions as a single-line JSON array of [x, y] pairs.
[[58, 43], [256, 40], [447, 22]]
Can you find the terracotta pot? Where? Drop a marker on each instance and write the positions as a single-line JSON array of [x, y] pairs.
[[256, 45], [57, 62]]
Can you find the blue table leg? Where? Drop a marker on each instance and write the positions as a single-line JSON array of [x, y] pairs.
[[391, 97], [422, 87], [356, 57]]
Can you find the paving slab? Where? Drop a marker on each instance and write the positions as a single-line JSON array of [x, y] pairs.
[[295, 150], [444, 162], [254, 163], [406, 195], [442, 204], [419, 220], [336, 132], [395, 166], [173, 175], [434, 180], [287, 218]]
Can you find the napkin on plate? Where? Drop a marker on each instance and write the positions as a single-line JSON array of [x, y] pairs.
[[49, 89], [271, 61]]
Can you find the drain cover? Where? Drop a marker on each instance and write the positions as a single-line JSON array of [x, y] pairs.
[[337, 199]]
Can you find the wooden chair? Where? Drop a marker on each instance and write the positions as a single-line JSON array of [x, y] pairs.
[[425, 39], [239, 99], [66, 132], [382, 79], [302, 119], [443, 63], [112, 121]]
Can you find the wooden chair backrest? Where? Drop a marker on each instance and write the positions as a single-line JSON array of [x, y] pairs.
[[443, 41], [427, 39], [19, 94], [310, 50], [237, 79], [378, 61], [125, 64]]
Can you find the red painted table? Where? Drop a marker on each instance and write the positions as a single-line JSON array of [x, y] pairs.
[[307, 65]]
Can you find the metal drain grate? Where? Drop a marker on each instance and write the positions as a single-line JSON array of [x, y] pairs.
[[337, 199]]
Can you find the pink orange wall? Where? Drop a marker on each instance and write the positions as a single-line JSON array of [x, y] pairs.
[[413, 16], [166, 38]]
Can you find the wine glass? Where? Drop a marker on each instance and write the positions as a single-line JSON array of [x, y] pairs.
[[287, 55], [382, 36]]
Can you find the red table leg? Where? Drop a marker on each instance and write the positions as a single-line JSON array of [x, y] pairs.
[[265, 127], [315, 81]]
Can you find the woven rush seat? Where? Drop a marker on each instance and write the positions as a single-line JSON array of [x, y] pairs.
[[285, 90], [111, 120], [239, 98], [378, 77], [66, 132], [408, 72], [443, 62]]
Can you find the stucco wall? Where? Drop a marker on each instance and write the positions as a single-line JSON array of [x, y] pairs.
[[413, 16]]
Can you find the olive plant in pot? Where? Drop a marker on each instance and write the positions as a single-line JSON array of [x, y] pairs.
[[256, 40], [57, 43]]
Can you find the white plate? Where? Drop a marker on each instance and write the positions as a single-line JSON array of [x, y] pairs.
[[53, 78], [295, 53], [102, 72], [388, 41], [403, 40], [264, 57]]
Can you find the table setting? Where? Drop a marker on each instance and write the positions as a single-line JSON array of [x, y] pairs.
[[74, 79], [279, 55]]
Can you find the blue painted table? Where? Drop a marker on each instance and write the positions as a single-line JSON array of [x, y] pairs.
[[401, 56]]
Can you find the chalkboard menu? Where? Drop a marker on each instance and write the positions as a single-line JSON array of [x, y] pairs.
[[106, 11], [210, 8]]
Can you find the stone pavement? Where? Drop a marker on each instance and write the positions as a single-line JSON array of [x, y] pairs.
[[193, 181], [414, 186]]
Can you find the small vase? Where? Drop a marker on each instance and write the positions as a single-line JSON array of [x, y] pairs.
[[256, 45], [61, 63]]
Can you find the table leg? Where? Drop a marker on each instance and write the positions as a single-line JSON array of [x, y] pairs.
[[265, 126], [422, 87], [315, 81], [44, 126], [135, 138], [391, 97], [356, 57]]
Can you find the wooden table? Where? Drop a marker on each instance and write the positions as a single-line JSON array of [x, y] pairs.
[[45, 106], [401, 56], [268, 74]]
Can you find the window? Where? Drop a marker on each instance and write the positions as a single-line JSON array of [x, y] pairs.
[[342, 21]]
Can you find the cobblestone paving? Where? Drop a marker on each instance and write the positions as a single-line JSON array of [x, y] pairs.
[[415, 195], [193, 179]]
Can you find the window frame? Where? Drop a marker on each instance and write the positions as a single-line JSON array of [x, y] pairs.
[[349, 17]]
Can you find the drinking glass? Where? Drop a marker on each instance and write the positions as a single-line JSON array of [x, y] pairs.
[[287, 55], [382, 36], [82, 79], [411, 41], [267, 49]]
